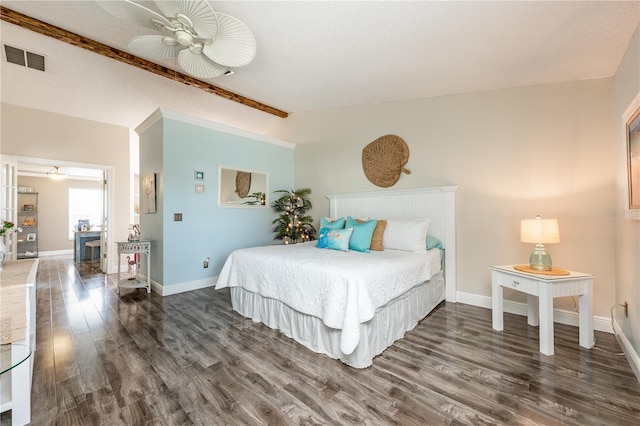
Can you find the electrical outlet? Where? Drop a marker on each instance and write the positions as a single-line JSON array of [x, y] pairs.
[[206, 263], [626, 309]]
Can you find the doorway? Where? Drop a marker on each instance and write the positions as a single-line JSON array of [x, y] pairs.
[[53, 233]]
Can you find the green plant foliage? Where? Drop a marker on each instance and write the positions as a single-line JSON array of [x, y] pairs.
[[293, 225], [259, 199]]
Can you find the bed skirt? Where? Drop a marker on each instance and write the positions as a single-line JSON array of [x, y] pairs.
[[389, 324]]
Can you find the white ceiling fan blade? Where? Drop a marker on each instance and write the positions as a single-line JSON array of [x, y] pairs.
[[151, 46], [234, 45], [133, 12], [199, 65], [200, 13], [168, 8]]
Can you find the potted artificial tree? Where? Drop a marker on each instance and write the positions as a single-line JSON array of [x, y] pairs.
[[293, 225]]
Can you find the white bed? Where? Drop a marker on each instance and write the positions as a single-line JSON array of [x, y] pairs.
[[357, 307]]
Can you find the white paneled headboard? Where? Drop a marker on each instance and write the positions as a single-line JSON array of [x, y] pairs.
[[435, 203]]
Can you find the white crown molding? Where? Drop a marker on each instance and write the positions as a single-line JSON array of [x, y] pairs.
[[161, 113]]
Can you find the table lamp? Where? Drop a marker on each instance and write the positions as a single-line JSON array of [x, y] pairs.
[[539, 231]]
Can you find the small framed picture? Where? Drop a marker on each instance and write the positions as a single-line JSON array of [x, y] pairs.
[[31, 237], [198, 175], [149, 193], [28, 207], [199, 188], [631, 123]]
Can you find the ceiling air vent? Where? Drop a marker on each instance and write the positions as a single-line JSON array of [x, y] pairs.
[[24, 58]]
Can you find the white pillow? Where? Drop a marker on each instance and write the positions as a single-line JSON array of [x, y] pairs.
[[407, 235]]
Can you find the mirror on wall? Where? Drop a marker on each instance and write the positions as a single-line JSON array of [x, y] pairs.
[[242, 188]]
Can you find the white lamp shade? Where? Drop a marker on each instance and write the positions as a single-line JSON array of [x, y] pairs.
[[539, 230]]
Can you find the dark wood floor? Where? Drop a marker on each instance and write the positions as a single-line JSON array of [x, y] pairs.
[[142, 359]]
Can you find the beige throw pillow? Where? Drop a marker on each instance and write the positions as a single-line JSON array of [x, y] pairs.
[[378, 233]]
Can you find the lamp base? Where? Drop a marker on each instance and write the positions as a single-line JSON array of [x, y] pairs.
[[540, 259]]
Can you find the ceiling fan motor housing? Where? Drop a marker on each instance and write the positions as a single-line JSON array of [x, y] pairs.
[[184, 38]]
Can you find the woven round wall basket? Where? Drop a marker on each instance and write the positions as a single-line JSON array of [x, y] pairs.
[[243, 183], [383, 160]]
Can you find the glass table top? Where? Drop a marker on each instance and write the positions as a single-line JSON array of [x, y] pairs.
[[12, 355]]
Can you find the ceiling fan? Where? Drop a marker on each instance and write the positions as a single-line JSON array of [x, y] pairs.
[[206, 43]]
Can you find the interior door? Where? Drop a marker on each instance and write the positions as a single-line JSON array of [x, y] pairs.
[[105, 224], [9, 201]]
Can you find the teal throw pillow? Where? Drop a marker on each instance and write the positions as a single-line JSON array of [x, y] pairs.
[[323, 238], [336, 239], [325, 222], [339, 239], [362, 234], [433, 242]]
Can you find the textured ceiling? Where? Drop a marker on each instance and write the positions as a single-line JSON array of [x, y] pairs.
[[319, 55]]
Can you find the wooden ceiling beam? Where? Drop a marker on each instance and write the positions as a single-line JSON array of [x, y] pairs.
[[63, 35]]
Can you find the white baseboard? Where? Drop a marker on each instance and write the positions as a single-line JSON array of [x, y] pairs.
[[559, 315], [627, 348], [55, 252], [168, 290]]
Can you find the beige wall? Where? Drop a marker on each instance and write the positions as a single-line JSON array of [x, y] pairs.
[[626, 87], [53, 209], [514, 153], [40, 134]]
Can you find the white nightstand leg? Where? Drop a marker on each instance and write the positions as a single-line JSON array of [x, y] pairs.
[[496, 303], [546, 319], [532, 310], [586, 318]]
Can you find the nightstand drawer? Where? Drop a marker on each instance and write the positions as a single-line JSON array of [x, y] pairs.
[[516, 282]]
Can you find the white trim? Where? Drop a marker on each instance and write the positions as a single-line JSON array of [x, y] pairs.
[[241, 202], [633, 107], [149, 121], [168, 290], [70, 177], [627, 348], [55, 253], [201, 122], [559, 315], [62, 163]]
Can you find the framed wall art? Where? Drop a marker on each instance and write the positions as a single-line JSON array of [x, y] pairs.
[[149, 193], [198, 175], [631, 119]]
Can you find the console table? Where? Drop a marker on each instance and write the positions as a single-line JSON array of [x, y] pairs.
[[14, 361], [540, 290], [18, 337], [136, 248]]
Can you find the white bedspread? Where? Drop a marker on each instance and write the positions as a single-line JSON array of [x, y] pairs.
[[343, 289]]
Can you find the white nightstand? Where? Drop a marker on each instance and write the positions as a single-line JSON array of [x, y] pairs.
[[540, 290]]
